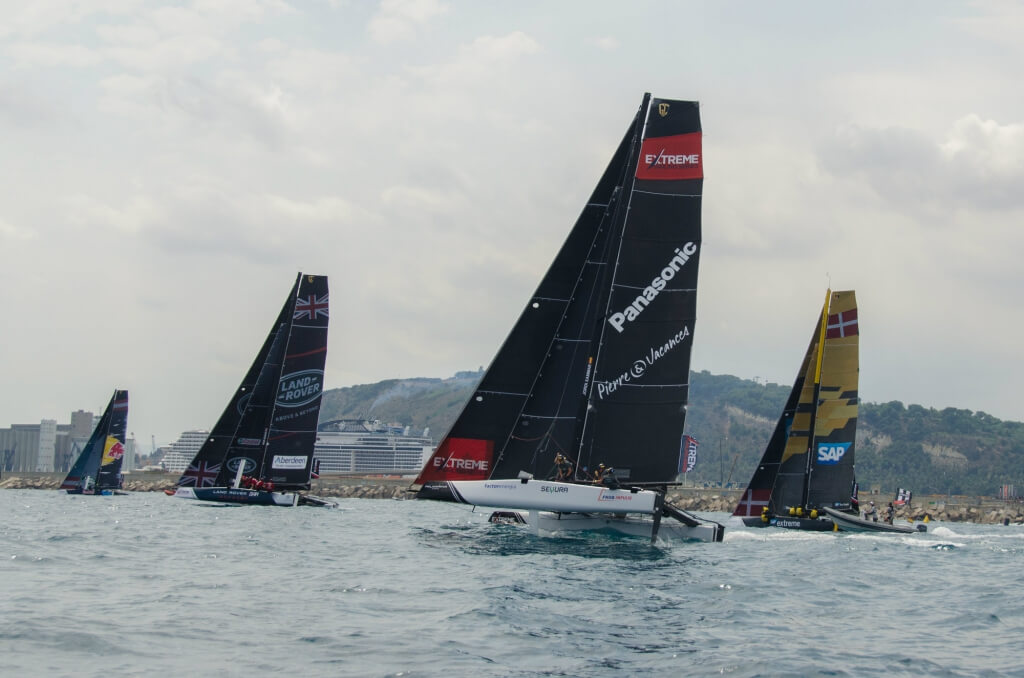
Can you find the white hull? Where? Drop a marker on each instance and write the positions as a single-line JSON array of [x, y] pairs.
[[563, 507], [541, 522], [546, 495]]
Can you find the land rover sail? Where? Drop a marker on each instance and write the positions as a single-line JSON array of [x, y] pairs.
[[261, 449]]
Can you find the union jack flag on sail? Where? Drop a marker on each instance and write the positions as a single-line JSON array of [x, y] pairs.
[[202, 474], [902, 496], [311, 308]]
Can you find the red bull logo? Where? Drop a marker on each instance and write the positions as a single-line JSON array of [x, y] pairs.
[[112, 451]]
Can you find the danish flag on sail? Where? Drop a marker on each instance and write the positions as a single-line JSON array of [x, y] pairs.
[[752, 502], [842, 324]]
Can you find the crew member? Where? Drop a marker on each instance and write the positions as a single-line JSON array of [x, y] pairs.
[[890, 513], [871, 513], [563, 468], [609, 480]]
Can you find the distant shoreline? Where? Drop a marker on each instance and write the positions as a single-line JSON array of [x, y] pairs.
[[984, 510]]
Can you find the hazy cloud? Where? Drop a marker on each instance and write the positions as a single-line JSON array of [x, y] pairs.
[[977, 163], [399, 19]]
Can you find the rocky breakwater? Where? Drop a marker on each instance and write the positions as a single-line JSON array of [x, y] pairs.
[[34, 481], [980, 512], [361, 488], [690, 501]]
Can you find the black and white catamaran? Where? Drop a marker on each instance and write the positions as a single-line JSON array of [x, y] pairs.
[[596, 368], [261, 449]]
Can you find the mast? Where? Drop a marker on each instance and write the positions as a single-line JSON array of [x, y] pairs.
[[618, 224], [835, 425], [808, 468], [636, 404], [288, 454]]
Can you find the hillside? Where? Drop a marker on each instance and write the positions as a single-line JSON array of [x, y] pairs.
[[929, 451]]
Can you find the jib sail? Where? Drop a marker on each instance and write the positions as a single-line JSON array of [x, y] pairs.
[[206, 467]]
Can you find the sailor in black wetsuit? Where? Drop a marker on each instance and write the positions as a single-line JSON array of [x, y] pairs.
[[609, 480], [563, 468]]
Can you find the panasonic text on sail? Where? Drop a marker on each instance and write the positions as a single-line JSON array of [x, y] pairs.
[[619, 319]]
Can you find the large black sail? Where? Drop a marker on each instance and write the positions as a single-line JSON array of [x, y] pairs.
[[99, 464], [288, 456], [540, 390], [248, 444], [206, 466], [490, 438], [759, 492], [638, 395]]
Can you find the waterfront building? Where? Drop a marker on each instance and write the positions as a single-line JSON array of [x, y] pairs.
[[183, 450], [352, 446], [46, 446]]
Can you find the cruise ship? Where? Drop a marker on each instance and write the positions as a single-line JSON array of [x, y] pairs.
[[183, 451], [354, 446]]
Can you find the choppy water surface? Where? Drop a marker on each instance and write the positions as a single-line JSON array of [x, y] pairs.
[[119, 586]]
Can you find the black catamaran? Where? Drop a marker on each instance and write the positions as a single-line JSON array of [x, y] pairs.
[[594, 373], [98, 468], [808, 465], [261, 449]]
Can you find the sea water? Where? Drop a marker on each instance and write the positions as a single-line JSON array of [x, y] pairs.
[[144, 583]]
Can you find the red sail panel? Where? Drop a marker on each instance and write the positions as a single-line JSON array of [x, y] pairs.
[[459, 459], [671, 158]]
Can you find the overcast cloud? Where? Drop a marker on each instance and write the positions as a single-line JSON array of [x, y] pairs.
[[168, 168]]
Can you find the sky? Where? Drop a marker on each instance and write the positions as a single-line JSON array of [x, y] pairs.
[[167, 168]]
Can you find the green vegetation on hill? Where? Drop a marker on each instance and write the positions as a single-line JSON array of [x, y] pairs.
[[926, 450], [419, 402]]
